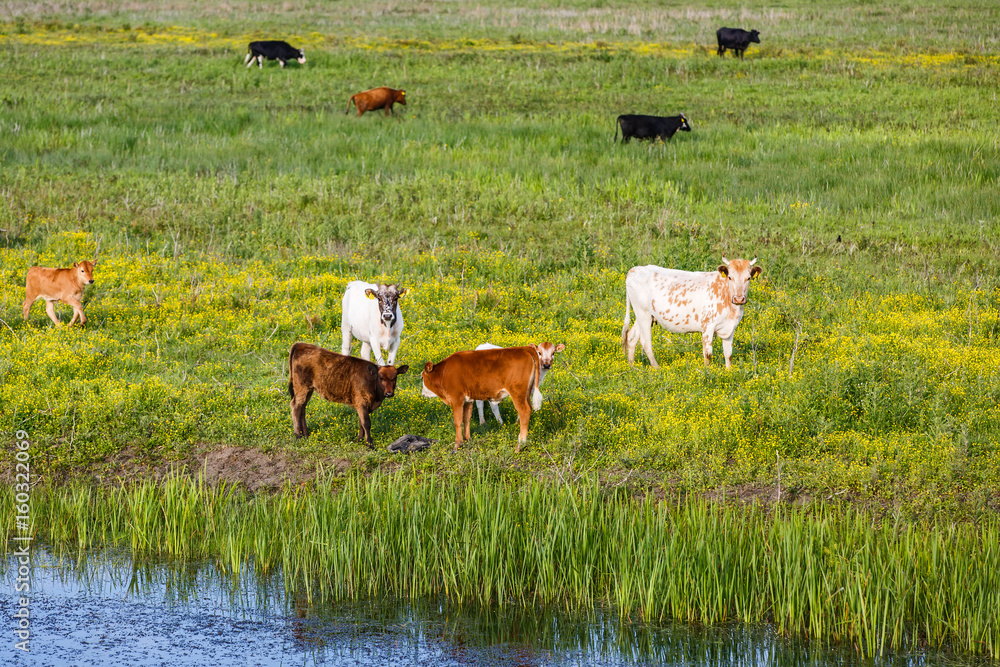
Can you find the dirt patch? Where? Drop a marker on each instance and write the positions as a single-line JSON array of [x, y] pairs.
[[252, 469]]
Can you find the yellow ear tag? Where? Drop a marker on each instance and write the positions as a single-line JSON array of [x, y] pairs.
[[369, 296]]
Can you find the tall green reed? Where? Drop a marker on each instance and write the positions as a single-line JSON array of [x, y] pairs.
[[832, 575]]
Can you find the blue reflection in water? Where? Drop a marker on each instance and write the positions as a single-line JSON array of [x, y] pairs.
[[104, 609]]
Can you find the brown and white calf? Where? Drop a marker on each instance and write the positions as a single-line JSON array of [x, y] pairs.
[[710, 302], [53, 285], [546, 354], [485, 375], [371, 313], [339, 379]]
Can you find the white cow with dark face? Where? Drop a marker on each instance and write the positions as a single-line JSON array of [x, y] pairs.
[[546, 355], [371, 314], [710, 302]]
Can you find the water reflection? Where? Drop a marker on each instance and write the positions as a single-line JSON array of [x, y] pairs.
[[102, 608]]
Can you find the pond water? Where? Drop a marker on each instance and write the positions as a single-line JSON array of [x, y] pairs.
[[104, 609]]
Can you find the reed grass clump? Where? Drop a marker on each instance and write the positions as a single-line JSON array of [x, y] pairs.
[[832, 575]]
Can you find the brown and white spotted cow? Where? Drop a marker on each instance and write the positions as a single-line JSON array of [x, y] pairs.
[[687, 302]]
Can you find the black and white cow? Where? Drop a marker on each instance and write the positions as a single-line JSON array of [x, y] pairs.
[[273, 50], [371, 314], [736, 39], [650, 127]]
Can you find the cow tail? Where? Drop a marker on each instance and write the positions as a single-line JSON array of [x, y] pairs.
[[536, 396], [349, 105], [291, 386], [625, 323]]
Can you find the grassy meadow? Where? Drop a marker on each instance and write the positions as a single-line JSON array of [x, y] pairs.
[[230, 206], [855, 153]]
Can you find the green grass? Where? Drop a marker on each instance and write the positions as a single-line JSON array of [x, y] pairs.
[[832, 576], [231, 206], [854, 152]]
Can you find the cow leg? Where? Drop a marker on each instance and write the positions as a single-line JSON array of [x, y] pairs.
[[706, 346], [77, 311], [260, 62], [495, 407], [50, 308], [299, 401], [458, 412], [377, 350], [523, 416], [282, 63], [721, 50], [467, 419], [644, 322], [479, 407], [390, 353], [727, 350], [365, 426], [249, 60], [26, 307], [366, 351]]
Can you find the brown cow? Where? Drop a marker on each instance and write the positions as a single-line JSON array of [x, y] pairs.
[[376, 98], [53, 285], [486, 375], [339, 379]]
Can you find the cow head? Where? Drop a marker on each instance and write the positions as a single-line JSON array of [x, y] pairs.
[[387, 378], [388, 299], [547, 352], [738, 274], [399, 96], [85, 271], [302, 57], [755, 36], [684, 124]]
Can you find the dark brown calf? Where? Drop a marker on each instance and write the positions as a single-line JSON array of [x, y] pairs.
[[339, 379], [376, 98]]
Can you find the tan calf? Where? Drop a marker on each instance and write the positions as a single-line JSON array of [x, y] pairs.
[[53, 285]]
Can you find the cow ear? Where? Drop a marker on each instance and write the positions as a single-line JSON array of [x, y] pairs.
[[370, 293], [560, 347], [401, 292], [402, 370], [373, 370], [76, 264], [723, 269], [429, 366], [755, 271]]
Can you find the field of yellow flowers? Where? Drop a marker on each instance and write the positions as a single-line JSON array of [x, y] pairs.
[[894, 394], [229, 207]]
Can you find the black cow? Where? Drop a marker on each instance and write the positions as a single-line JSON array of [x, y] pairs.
[[273, 49], [736, 39], [650, 127]]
